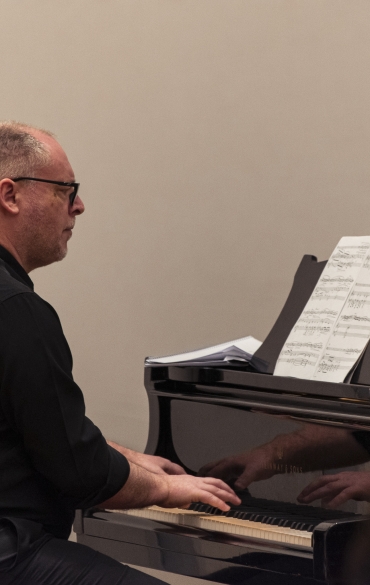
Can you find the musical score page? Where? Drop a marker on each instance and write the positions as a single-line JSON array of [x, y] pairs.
[[333, 330]]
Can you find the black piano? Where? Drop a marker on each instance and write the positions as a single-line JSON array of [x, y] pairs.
[[200, 415]]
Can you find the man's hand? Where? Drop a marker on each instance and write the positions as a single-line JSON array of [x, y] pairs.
[[185, 489], [336, 489], [241, 470], [155, 480], [151, 463], [144, 488], [157, 464]]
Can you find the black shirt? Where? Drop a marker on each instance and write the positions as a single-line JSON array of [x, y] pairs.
[[53, 459]]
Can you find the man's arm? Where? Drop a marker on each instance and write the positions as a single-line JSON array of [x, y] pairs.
[[144, 488], [62, 445]]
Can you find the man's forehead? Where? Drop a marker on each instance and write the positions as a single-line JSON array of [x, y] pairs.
[[59, 158], [49, 141]]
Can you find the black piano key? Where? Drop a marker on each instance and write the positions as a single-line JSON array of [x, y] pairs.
[[284, 522], [273, 521], [195, 507], [285, 514]]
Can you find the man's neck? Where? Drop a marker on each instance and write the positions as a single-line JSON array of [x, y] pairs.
[[14, 267], [8, 245]]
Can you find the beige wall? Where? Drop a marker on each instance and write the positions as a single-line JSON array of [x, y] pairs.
[[216, 141]]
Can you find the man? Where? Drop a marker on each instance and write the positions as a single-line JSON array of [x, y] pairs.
[[52, 458]]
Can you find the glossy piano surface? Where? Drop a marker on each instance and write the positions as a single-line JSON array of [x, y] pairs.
[[271, 437], [202, 415]]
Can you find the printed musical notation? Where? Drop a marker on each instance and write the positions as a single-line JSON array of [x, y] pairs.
[[334, 327], [358, 299], [301, 354]]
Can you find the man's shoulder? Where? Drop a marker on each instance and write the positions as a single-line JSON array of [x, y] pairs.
[[9, 285], [24, 311]]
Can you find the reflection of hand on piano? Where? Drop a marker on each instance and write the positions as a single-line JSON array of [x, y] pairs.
[[243, 469], [310, 448], [336, 489]]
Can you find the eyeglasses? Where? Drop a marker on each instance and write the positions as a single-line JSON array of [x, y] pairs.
[[72, 196]]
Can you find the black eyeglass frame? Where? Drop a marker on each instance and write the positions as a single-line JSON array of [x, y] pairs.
[[72, 196]]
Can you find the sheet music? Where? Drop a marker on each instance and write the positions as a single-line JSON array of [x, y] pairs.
[[334, 327]]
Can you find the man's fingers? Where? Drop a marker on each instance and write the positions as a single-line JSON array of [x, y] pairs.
[[183, 490], [174, 469], [218, 498], [217, 483], [211, 499], [227, 492]]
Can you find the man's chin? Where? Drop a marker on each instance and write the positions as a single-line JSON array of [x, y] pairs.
[[47, 259], [62, 254]]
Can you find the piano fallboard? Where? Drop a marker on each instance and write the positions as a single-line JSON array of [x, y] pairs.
[[189, 551], [214, 556]]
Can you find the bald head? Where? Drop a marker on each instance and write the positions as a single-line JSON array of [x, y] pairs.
[[22, 149]]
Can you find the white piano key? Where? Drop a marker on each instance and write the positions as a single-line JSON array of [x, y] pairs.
[[223, 524], [252, 529], [173, 515]]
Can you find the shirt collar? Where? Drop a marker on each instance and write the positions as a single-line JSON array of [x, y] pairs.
[[15, 268]]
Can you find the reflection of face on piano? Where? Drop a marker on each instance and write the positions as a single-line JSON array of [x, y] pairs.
[[310, 448]]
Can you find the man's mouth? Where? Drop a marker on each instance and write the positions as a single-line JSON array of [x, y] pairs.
[[69, 230]]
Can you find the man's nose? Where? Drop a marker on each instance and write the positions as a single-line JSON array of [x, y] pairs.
[[77, 207]]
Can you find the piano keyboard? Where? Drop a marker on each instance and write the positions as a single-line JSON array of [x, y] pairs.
[[229, 525]]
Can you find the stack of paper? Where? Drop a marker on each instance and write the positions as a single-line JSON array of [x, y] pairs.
[[238, 351]]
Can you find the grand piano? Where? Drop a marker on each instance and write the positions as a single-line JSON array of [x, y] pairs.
[[200, 415]]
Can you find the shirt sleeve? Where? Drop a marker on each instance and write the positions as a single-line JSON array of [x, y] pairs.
[[45, 406]]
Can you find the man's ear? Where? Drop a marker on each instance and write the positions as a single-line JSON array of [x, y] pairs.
[[9, 201]]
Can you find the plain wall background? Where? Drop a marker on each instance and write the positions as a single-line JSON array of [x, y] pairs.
[[217, 141]]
